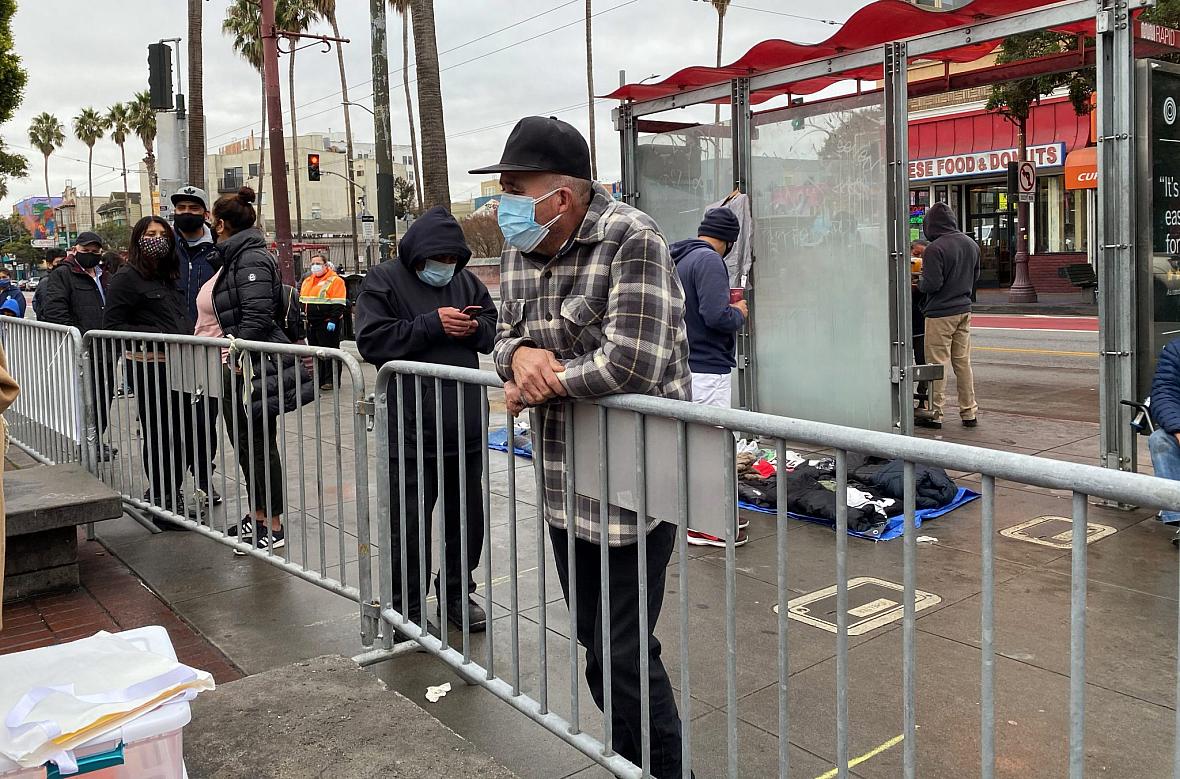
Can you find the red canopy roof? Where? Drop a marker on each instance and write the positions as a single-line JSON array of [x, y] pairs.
[[1052, 121], [873, 25]]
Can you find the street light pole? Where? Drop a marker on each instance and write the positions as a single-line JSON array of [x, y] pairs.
[[278, 156]]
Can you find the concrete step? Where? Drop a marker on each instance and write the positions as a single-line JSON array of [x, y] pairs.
[[324, 717]]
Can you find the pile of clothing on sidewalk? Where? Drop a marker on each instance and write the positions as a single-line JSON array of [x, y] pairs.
[[875, 490]]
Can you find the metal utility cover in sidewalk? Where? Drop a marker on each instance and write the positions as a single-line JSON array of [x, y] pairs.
[[1055, 532], [872, 603]]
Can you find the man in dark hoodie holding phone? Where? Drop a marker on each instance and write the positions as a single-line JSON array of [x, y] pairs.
[[424, 306], [950, 270]]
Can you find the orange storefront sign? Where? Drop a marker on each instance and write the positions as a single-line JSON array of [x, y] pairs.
[[1081, 168]]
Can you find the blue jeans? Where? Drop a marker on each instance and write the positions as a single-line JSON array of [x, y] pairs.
[[1165, 459]]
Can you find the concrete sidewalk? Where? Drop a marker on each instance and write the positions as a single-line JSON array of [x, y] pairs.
[[264, 619]]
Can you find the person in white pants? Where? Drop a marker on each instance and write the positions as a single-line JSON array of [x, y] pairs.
[[713, 315]]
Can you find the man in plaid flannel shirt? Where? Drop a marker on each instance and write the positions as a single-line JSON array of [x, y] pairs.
[[590, 307]]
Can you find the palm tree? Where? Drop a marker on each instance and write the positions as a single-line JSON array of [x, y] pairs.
[[196, 96], [143, 124], [89, 126], [402, 7], [294, 16], [590, 87], [242, 24], [327, 9], [47, 134], [119, 120], [436, 188]]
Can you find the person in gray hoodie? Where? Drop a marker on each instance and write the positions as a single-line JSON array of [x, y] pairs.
[[950, 270]]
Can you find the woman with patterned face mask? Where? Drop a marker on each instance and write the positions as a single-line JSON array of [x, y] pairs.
[[143, 298]]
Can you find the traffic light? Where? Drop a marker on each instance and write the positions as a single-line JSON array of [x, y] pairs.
[[160, 76], [313, 167]]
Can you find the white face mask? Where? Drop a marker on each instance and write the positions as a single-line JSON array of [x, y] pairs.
[[317, 269]]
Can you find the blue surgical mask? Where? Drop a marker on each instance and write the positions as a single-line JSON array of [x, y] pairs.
[[517, 218], [317, 269], [437, 274]]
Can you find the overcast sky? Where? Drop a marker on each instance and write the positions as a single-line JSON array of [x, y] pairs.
[[94, 53]]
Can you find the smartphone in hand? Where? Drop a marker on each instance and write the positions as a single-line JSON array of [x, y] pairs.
[[473, 311]]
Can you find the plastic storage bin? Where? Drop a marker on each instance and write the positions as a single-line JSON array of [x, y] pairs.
[[149, 746]]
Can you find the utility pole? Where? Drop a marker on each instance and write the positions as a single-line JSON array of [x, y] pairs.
[[278, 155], [386, 221]]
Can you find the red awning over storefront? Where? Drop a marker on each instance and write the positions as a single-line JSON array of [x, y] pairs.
[[873, 25], [1053, 121]]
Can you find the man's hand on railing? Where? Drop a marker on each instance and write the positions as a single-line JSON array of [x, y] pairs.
[[513, 399], [534, 371]]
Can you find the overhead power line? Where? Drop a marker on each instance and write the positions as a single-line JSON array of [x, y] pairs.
[[531, 39]]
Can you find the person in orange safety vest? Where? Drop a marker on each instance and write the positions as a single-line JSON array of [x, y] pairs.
[[325, 302]]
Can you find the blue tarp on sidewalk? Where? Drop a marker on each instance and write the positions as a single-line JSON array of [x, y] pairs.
[[498, 441]]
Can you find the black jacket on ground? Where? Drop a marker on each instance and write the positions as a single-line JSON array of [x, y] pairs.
[[950, 266], [71, 297], [397, 319], [142, 305], [933, 488]]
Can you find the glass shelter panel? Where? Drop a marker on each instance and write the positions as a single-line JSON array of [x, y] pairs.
[[683, 172], [822, 333]]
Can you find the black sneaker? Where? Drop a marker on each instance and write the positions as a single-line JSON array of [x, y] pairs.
[[477, 618], [929, 424], [176, 506], [970, 423], [247, 529], [265, 541]]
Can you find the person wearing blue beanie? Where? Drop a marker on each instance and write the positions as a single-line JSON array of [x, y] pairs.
[[712, 320]]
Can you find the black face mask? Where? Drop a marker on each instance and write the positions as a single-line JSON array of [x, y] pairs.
[[189, 223], [88, 260]]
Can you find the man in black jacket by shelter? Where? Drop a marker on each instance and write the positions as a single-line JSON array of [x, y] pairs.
[[423, 306], [950, 270]]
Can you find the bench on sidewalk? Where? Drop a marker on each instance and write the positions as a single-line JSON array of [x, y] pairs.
[[1081, 275], [44, 505]]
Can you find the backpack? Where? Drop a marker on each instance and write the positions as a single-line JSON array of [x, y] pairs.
[[289, 314]]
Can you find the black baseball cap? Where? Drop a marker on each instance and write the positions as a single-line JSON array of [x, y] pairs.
[[88, 237], [541, 144]]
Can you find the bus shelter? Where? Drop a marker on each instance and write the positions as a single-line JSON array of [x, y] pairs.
[[827, 184]]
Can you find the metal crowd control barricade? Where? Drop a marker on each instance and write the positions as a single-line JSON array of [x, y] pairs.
[[209, 430], [47, 419], [660, 458]]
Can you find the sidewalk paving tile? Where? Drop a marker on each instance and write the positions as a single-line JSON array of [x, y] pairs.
[[111, 598], [1117, 619], [1032, 715]]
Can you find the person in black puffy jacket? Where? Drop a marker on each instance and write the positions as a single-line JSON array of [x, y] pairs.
[[246, 296], [1165, 410], [143, 298]]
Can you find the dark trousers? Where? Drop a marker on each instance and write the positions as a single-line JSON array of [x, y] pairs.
[[104, 391], [161, 419], [318, 335], [202, 443], [624, 641], [256, 442], [452, 530]]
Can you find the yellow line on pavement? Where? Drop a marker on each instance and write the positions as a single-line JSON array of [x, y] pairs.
[[866, 756], [1031, 351]]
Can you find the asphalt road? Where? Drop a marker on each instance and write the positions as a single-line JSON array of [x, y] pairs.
[[1032, 366]]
